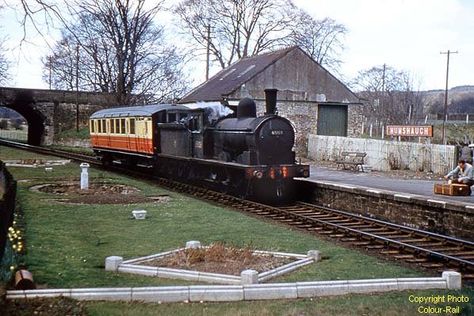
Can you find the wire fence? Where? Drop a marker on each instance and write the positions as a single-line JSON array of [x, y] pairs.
[[14, 134]]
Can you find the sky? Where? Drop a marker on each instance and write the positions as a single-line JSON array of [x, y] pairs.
[[405, 34]]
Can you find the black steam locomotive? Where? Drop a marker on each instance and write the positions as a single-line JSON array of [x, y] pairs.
[[239, 153]]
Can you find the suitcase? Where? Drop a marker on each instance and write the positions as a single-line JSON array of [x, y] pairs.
[[451, 189]]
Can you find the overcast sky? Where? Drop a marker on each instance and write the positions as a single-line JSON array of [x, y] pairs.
[[405, 34]]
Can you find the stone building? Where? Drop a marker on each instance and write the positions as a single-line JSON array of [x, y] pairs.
[[308, 95]]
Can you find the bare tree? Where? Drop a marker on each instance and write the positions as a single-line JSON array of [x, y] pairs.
[[389, 94], [114, 46], [321, 39], [4, 64], [239, 28]]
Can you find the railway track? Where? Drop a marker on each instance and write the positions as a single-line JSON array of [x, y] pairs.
[[422, 248]]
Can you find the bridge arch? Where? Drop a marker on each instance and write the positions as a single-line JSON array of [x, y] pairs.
[[40, 108], [23, 104]]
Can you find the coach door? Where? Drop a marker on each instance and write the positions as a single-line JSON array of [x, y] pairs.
[[332, 119]]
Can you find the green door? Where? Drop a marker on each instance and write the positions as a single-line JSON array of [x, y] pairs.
[[332, 119]]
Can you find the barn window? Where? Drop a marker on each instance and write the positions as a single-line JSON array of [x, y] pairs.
[[132, 126]]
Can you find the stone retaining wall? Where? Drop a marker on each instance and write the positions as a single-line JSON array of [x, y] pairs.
[[404, 209]]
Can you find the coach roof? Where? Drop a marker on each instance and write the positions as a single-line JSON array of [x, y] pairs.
[[142, 110]]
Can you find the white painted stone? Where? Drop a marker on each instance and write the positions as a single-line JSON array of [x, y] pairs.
[[154, 256], [284, 269], [270, 291], [249, 277], [178, 274], [193, 244], [402, 197], [322, 288], [315, 255], [45, 293], [421, 283], [280, 254], [84, 176], [102, 294], [437, 202], [112, 263], [375, 192], [453, 279], [48, 169], [216, 293], [161, 294], [218, 278], [141, 270], [139, 214], [369, 286]]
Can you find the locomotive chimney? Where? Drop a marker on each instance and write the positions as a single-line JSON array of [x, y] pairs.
[[270, 100]]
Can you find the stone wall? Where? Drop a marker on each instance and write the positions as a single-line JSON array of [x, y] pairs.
[[385, 155], [65, 115], [434, 216]]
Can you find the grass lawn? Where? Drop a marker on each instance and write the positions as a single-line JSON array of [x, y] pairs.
[[67, 244]]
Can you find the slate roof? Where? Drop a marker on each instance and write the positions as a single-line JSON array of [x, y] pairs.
[[231, 78], [144, 110]]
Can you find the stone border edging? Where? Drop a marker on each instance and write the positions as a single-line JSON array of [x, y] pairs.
[[221, 293], [135, 266]]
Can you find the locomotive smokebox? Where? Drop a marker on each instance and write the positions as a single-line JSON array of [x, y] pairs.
[[270, 100], [246, 108]]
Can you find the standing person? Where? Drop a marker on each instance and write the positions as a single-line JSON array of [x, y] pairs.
[[463, 173]]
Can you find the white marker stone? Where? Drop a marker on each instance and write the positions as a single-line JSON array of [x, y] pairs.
[[249, 277], [84, 176], [193, 244], [112, 263]]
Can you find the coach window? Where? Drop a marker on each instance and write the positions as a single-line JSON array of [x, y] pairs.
[[112, 126], [132, 126], [117, 126], [91, 126], [104, 127], [122, 126]]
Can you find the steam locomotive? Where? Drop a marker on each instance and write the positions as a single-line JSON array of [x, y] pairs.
[[206, 144]]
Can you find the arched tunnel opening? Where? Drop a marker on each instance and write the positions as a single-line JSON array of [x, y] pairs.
[[22, 105], [13, 125]]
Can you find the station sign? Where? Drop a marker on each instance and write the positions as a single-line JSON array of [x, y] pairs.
[[410, 130]]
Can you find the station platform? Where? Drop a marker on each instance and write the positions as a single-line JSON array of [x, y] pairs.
[[414, 188]]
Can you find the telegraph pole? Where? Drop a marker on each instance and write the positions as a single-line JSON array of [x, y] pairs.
[[77, 87], [208, 50], [448, 53]]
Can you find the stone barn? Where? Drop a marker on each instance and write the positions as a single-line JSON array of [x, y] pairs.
[[308, 95]]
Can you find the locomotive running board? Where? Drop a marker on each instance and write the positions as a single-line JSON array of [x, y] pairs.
[[222, 163]]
